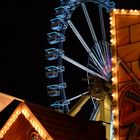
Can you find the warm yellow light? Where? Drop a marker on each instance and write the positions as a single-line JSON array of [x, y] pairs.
[[111, 31], [110, 18], [135, 11], [111, 22], [113, 69], [15, 116], [114, 111], [113, 43], [25, 111], [1, 136], [112, 59], [122, 11], [111, 40], [114, 10], [115, 123], [9, 123], [31, 121], [18, 112], [113, 95], [115, 64], [44, 135], [113, 79], [131, 11]]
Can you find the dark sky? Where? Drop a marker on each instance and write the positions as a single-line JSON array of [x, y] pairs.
[[24, 26]]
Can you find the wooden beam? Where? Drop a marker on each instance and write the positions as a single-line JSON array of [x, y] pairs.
[[133, 76]]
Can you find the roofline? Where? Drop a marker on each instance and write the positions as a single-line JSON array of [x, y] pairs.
[[9, 96], [23, 109]]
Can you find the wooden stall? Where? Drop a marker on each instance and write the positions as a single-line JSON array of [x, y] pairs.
[[125, 33], [21, 120]]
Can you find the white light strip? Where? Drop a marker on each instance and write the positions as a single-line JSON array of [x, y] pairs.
[[81, 66], [84, 44], [89, 23], [98, 47]]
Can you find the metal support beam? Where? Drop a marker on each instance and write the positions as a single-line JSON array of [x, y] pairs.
[[77, 107]]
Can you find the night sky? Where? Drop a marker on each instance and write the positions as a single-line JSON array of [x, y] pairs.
[[24, 26]]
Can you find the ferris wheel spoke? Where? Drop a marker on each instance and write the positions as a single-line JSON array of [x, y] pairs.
[[102, 22], [108, 57], [97, 70], [84, 44], [78, 96], [92, 30], [82, 66], [105, 46], [89, 22], [100, 54], [98, 49], [103, 54]]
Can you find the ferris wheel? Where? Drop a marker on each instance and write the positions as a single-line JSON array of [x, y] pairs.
[[93, 42]]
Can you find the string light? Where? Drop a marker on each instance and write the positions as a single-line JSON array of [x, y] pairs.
[[110, 18], [114, 79], [131, 11], [111, 22], [113, 111], [25, 111], [123, 11], [113, 69], [115, 11], [115, 123], [111, 31], [113, 95], [114, 72], [111, 40], [115, 65], [112, 59]]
